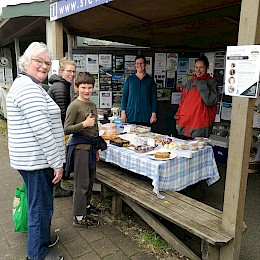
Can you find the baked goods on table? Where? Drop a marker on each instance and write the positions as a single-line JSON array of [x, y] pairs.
[[143, 148], [170, 145], [162, 155], [141, 129], [110, 131], [119, 142]]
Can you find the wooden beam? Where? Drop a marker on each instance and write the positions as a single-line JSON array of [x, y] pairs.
[[240, 142], [54, 35], [17, 53], [117, 204], [161, 230]]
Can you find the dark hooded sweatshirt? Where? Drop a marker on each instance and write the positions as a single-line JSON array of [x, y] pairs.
[[60, 93]]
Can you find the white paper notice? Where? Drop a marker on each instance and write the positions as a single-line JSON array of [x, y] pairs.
[[242, 70], [92, 63], [80, 61], [105, 99]]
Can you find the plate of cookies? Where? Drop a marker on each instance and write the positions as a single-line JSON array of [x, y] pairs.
[[161, 155]]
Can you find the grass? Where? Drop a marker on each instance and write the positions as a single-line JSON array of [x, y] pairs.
[[152, 240]]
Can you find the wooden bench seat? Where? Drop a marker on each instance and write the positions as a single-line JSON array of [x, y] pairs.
[[196, 217]]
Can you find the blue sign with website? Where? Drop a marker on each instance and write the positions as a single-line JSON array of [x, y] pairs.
[[63, 8]]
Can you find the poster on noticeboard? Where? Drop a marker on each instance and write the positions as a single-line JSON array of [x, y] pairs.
[[242, 71]]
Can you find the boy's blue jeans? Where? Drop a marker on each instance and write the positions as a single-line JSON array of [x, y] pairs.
[[40, 210]]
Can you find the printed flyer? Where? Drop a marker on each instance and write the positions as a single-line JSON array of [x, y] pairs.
[[242, 71]]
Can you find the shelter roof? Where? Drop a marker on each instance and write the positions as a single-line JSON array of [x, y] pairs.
[[173, 25]]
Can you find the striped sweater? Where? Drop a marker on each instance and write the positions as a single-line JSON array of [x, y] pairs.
[[35, 132]]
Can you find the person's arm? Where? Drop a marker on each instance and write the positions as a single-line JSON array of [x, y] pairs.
[[70, 127], [176, 116], [123, 116], [97, 156], [153, 118], [208, 91], [124, 100], [35, 109]]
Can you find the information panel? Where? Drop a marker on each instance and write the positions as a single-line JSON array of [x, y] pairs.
[[242, 70]]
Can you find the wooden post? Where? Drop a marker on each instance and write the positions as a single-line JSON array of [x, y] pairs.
[[240, 141], [117, 204], [54, 35]]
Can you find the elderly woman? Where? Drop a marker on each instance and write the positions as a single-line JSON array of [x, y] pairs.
[[60, 93], [36, 145]]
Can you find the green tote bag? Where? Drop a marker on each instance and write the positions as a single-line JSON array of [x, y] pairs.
[[20, 210]]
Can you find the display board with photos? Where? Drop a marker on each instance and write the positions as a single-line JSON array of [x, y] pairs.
[[170, 71], [110, 69]]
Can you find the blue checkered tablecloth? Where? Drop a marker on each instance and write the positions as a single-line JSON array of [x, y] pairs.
[[175, 174]]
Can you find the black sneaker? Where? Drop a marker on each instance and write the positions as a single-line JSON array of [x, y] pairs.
[[53, 240], [86, 222], [94, 211], [49, 257]]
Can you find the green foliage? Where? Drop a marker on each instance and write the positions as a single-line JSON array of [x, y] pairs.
[[3, 125], [152, 239]]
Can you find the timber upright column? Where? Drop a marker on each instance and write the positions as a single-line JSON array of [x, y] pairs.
[[240, 141], [54, 36]]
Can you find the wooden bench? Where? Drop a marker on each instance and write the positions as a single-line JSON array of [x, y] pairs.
[[199, 219]]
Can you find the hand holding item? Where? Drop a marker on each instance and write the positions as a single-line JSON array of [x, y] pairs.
[[89, 121], [57, 175]]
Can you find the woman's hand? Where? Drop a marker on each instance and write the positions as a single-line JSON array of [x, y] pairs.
[[57, 175], [153, 118], [123, 116]]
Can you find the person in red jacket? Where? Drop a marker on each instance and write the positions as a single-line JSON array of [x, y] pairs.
[[197, 108]]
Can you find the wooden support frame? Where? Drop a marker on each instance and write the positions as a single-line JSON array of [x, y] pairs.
[[54, 38], [161, 230], [240, 141]]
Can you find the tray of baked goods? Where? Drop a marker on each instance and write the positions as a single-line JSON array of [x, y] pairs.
[[140, 129], [119, 142]]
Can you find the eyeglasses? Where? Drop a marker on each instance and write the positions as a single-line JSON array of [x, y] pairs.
[[41, 62], [70, 71]]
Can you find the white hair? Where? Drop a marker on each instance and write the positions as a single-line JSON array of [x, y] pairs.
[[34, 49]]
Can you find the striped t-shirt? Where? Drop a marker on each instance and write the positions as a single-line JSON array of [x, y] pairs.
[[35, 132]]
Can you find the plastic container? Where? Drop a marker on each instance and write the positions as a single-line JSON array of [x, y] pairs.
[[220, 148]]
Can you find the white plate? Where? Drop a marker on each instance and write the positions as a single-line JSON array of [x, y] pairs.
[[151, 156]]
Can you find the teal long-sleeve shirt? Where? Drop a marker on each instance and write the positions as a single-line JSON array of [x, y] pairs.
[[139, 98]]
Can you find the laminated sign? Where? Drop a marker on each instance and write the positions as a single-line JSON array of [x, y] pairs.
[[242, 71]]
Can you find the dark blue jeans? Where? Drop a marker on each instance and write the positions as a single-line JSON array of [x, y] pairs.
[[40, 210]]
